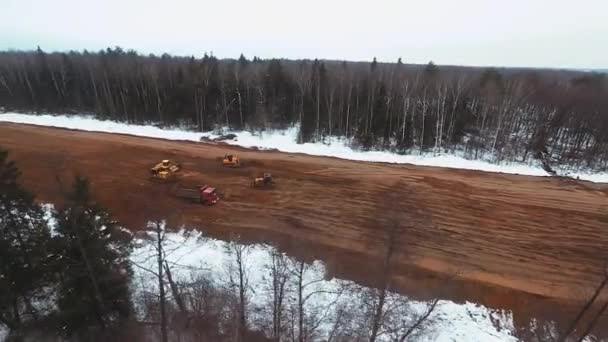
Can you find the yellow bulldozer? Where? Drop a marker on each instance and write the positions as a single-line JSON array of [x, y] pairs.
[[165, 170], [231, 161], [262, 182]]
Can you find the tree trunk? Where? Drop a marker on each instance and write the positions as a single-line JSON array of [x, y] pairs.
[[300, 302], [238, 94], [93, 278], [161, 286], [350, 91], [318, 110], [584, 309]]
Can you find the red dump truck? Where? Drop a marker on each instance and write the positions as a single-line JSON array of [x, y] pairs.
[[202, 194]]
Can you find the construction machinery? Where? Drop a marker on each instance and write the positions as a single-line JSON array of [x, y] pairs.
[[262, 182], [231, 161], [165, 170], [202, 194]]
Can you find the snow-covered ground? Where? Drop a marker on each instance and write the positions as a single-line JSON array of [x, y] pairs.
[[191, 251], [286, 141]]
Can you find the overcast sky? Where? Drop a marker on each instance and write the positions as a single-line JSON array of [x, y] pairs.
[[535, 33]]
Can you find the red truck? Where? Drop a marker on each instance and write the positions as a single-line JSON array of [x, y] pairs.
[[203, 194]]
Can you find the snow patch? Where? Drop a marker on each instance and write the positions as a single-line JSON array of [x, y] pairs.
[[286, 141], [90, 124], [3, 332], [48, 211]]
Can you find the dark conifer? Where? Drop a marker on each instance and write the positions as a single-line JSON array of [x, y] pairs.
[[24, 238], [94, 267]]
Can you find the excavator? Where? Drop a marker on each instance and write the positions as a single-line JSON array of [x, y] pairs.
[[165, 170], [231, 160], [262, 182]]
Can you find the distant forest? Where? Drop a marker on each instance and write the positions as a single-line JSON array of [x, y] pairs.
[[498, 114]]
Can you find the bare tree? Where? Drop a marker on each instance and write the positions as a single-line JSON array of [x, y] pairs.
[[157, 230], [279, 287], [239, 281], [160, 235], [395, 224], [312, 302], [163, 302]]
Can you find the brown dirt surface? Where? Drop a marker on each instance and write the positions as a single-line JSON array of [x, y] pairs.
[[512, 241]]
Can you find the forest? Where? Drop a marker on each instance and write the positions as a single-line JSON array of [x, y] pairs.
[[497, 114]]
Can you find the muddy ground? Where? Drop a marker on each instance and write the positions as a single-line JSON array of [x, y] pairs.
[[535, 245]]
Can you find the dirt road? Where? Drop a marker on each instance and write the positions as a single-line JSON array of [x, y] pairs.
[[502, 234]]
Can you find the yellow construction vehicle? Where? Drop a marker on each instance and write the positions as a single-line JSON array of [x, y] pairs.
[[231, 161], [262, 182], [165, 170]]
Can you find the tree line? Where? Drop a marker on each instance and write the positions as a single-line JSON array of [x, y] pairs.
[[481, 113]]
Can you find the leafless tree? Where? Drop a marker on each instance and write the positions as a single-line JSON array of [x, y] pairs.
[[158, 234], [308, 288], [239, 281], [395, 224], [167, 301], [278, 291]]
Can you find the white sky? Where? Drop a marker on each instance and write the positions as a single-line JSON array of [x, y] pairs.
[[535, 33]]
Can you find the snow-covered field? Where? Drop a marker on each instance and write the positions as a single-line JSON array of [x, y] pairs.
[[286, 141], [191, 251]]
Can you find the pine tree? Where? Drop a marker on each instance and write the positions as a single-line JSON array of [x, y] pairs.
[[243, 61], [23, 240], [430, 70], [94, 264], [374, 64]]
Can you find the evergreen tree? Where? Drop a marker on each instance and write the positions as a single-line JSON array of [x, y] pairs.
[[243, 61], [431, 70], [23, 239], [94, 265], [374, 64], [491, 77]]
